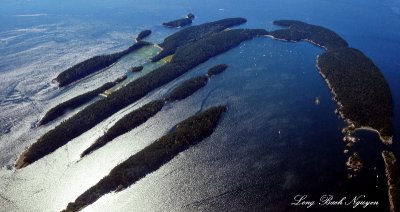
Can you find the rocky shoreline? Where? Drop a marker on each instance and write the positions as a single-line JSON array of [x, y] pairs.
[[392, 168], [359, 89]]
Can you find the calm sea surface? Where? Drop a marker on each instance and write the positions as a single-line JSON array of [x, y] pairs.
[[274, 142]]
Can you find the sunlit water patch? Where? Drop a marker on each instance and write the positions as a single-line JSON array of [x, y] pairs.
[[273, 142], [35, 57]]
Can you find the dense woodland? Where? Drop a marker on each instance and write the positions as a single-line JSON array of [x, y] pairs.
[[187, 88], [358, 83], [137, 69], [180, 22], [193, 33], [298, 31], [143, 34], [186, 58], [212, 45], [360, 87], [127, 123], [94, 64], [73, 103], [141, 115], [187, 133], [76, 102], [217, 70]]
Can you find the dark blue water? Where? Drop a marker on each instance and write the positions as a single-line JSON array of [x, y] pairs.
[[272, 144]]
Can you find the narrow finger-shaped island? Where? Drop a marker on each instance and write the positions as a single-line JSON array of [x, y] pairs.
[[185, 58], [187, 133]]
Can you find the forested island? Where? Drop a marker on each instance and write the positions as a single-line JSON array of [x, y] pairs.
[[216, 70], [94, 64], [76, 102], [185, 58], [359, 88], [193, 33], [180, 22], [125, 124], [141, 115], [137, 69], [187, 88], [392, 168], [318, 35], [142, 35], [187, 133]]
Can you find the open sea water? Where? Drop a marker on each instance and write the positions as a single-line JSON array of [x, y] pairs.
[[274, 142]]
